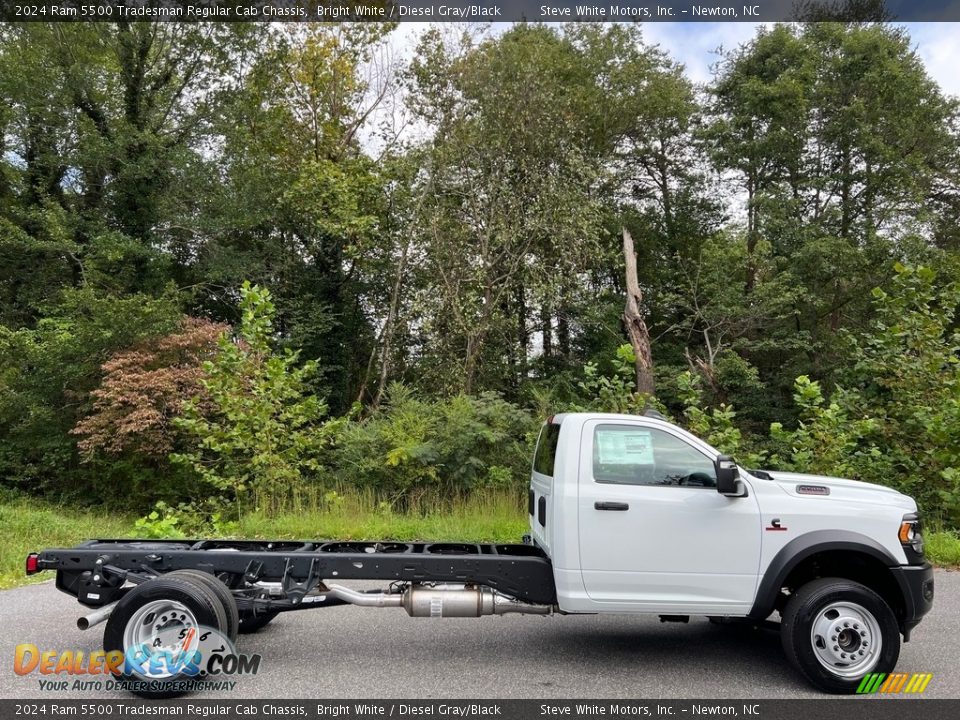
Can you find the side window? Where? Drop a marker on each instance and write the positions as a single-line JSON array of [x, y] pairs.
[[631, 455], [546, 449]]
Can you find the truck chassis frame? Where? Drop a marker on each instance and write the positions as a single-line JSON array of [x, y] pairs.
[[97, 571]]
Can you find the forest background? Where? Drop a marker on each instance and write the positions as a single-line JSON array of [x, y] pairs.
[[276, 280]]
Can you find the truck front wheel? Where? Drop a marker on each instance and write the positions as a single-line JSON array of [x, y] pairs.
[[835, 631]]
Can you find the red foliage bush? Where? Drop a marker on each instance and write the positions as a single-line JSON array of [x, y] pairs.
[[143, 388]]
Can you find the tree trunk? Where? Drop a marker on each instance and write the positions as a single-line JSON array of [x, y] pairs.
[[546, 327], [390, 326], [563, 333], [633, 320], [663, 180], [474, 343], [523, 334], [846, 186], [752, 232], [563, 323]]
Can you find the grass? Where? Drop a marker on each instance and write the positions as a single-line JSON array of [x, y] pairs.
[[29, 525], [943, 548], [483, 517]]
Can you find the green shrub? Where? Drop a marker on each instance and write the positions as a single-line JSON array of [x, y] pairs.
[[447, 446], [896, 419], [715, 425], [615, 392], [193, 519], [161, 522], [828, 439], [47, 373], [259, 430]]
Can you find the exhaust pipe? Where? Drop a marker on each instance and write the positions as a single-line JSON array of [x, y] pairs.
[[355, 597], [441, 601], [417, 600], [96, 617]]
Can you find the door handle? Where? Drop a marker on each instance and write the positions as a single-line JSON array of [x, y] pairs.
[[610, 506]]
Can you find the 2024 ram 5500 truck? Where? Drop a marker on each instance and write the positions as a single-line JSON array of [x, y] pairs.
[[628, 514]]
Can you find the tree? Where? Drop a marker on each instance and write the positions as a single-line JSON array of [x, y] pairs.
[[648, 111], [761, 124], [511, 209], [257, 430], [47, 374], [717, 319], [841, 143], [894, 419], [299, 207], [104, 123], [633, 319], [656, 187]]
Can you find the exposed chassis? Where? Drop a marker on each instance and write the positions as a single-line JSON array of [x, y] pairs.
[[96, 571]]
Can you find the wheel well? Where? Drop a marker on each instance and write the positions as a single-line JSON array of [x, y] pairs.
[[851, 565]]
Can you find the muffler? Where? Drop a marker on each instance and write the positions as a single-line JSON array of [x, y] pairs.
[[464, 601], [441, 601]]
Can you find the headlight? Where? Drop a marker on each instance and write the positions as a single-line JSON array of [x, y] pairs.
[[910, 536]]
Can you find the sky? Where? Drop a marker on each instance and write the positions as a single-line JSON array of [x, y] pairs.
[[695, 44]]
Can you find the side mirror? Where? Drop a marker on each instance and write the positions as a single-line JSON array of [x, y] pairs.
[[727, 475]]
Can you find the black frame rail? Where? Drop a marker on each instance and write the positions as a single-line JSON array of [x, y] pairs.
[[95, 570]]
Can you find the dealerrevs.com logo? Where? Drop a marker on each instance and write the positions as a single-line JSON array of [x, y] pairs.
[[193, 658], [894, 683]]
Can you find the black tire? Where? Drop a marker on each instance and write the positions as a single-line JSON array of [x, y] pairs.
[[222, 592], [800, 642], [250, 623], [197, 596]]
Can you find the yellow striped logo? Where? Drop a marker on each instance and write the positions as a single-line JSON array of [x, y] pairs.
[[893, 683]]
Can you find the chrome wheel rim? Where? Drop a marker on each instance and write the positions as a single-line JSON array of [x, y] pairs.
[[159, 629], [846, 639]]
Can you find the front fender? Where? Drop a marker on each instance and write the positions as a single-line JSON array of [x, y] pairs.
[[803, 547]]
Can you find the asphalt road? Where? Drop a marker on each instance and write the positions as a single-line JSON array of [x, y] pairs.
[[348, 652]]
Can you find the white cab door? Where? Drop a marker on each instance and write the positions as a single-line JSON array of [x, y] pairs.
[[654, 532]]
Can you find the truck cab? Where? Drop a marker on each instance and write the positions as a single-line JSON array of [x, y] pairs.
[[638, 515]]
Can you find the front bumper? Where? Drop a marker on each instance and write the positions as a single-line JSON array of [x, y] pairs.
[[916, 585]]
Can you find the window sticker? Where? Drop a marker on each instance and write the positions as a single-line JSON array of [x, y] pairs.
[[630, 447]]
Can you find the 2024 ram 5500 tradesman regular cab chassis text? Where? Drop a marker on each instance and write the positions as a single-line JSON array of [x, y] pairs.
[[628, 514]]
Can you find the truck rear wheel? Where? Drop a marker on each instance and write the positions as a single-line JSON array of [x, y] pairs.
[[835, 631], [149, 626], [222, 592]]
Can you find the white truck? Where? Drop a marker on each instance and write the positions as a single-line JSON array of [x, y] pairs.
[[628, 514]]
